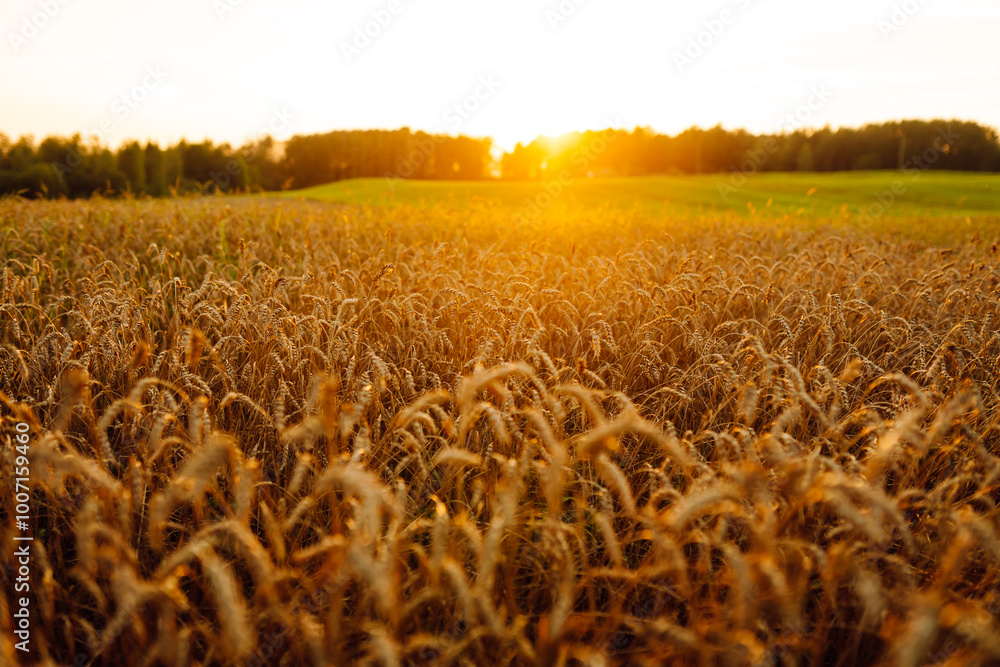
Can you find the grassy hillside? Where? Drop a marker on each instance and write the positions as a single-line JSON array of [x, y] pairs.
[[929, 201]]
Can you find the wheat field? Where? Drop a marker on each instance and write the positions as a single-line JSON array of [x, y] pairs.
[[292, 433]]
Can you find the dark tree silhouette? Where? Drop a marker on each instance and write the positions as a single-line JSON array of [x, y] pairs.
[[68, 167]]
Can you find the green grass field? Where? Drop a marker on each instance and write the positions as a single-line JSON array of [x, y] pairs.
[[927, 204]]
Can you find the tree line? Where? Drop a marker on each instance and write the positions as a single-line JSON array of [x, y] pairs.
[[74, 168]]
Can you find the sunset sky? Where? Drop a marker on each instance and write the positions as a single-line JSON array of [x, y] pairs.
[[229, 70]]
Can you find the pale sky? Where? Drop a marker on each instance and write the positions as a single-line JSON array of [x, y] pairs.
[[229, 70]]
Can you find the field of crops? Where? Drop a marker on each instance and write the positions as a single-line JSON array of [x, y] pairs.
[[268, 431]]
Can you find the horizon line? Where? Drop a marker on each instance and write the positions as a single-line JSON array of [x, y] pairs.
[[784, 131]]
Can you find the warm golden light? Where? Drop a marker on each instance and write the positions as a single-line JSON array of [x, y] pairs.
[[229, 66]]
